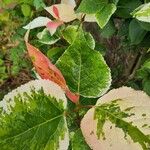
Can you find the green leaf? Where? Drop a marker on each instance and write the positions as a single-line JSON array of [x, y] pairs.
[[78, 142], [90, 40], [100, 8], [145, 25], [146, 65], [39, 4], [26, 10], [84, 69], [90, 7], [108, 30], [136, 33], [46, 38], [142, 13], [119, 120], [54, 53], [70, 33], [145, 42], [146, 86], [104, 14], [125, 7], [32, 117]]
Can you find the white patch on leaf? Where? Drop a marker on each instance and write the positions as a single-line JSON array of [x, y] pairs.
[[49, 87], [69, 2]]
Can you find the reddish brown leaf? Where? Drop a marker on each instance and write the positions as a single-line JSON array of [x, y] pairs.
[[47, 70]]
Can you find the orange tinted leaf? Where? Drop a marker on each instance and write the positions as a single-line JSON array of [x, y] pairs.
[[47, 70]]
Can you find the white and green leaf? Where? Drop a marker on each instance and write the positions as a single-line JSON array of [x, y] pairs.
[[46, 38], [142, 13], [37, 22], [99, 10], [120, 120], [70, 33], [90, 7], [32, 117], [85, 71], [105, 14]]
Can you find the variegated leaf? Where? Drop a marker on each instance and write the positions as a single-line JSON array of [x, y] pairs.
[[69, 2], [120, 120], [142, 13], [32, 117], [63, 12], [37, 22]]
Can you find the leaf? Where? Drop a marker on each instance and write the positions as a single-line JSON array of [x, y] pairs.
[[89, 18], [46, 38], [90, 7], [78, 142], [37, 22], [69, 2], [32, 117], [136, 33], [65, 12], [39, 4], [146, 86], [142, 13], [53, 25], [120, 120], [100, 8], [104, 14], [54, 53], [145, 25], [47, 70], [108, 30], [26, 10], [70, 33], [90, 40], [145, 42], [83, 74], [125, 7]]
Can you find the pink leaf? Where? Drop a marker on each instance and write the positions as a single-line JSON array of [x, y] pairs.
[[62, 12], [55, 11], [47, 70], [53, 25]]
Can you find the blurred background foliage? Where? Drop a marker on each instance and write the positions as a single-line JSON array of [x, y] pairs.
[[124, 42]]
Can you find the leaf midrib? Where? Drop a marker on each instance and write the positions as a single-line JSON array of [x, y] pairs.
[[79, 77], [38, 125]]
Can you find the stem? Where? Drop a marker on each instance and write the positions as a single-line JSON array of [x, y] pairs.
[[138, 62]]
